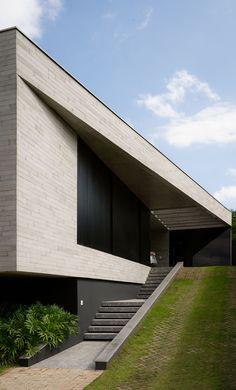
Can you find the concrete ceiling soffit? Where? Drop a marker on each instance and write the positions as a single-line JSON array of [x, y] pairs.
[[153, 190], [187, 218]]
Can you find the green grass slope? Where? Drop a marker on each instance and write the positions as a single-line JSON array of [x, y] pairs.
[[188, 340]]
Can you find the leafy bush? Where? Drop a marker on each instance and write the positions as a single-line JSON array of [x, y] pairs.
[[23, 330]]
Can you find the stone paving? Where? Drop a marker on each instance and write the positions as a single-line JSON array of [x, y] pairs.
[[69, 370], [82, 356], [47, 379]]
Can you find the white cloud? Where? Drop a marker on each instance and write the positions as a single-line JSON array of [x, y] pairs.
[[28, 15], [231, 172], [158, 105], [146, 21], [227, 195], [215, 124], [178, 86], [183, 82]]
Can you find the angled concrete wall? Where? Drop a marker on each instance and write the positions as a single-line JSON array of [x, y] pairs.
[[46, 168], [42, 73], [47, 200], [8, 151]]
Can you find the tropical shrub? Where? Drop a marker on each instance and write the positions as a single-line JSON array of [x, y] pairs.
[[25, 328]]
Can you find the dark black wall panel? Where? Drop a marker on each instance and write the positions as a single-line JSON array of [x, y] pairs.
[[216, 252], [93, 292], [145, 235], [110, 217], [94, 201], [125, 211], [200, 246]]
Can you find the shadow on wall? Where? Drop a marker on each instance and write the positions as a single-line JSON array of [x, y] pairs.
[[217, 252], [201, 247]]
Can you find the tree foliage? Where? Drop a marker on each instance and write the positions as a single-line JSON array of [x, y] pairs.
[[25, 328]]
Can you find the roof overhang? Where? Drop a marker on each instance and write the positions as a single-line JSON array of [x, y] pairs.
[[176, 200]]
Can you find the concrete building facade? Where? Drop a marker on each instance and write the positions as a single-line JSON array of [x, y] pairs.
[[83, 197]]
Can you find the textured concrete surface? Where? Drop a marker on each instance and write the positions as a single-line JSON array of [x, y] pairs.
[[80, 356], [8, 151], [86, 113], [47, 200], [44, 204], [47, 379]]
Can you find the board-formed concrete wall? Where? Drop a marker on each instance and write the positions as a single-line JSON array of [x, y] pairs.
[[43, 202], [8, 151], [47, 200], [46, 76]]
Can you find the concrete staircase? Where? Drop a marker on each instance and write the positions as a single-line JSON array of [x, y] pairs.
[[112, 316], [155, 277]]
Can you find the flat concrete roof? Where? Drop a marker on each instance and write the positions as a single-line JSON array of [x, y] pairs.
[[176, 199]]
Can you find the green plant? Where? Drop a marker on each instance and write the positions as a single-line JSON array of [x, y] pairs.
[[26, 328]]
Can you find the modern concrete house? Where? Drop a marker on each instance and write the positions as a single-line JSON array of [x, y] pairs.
[[83, 197]]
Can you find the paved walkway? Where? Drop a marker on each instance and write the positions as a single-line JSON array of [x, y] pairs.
[[72, 369], [47, 379], [80, 356]]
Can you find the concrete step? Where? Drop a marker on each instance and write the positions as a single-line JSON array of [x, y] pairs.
[[104, 329], [147, 290], [153, 285], [144, 296], [145, 293], [111, 322], [148, 287], [99, 336], [161, 269], [154, 280], [122, 303], [114, 315], [117, 309]]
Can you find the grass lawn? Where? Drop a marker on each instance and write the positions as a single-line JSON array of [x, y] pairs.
[[188, 340]]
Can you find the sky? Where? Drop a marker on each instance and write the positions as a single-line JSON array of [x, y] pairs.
[[168, 68]]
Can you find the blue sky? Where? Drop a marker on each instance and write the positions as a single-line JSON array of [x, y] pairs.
[[166, 67]]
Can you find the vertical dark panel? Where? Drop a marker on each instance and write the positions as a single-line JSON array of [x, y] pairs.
[[125, 211], [144, 235], [94, 201], [99, 206], [110, 217], [82, 195]]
